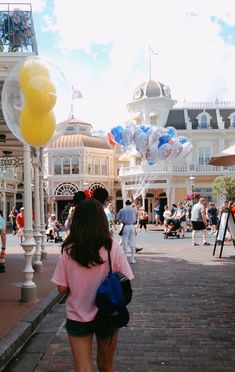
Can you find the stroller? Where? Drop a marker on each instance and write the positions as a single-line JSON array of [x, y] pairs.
[[173, 228], [54, 238]]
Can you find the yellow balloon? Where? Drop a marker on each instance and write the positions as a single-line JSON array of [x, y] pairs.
[[40, 94], [36, 129], [30, 69]]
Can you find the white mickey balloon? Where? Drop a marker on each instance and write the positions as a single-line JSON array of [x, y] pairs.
[[152, 154], [186, 149], [164, 151]]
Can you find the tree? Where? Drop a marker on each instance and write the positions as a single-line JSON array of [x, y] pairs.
[[224, 186]]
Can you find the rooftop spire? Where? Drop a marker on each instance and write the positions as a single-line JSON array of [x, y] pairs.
[[151, 53]]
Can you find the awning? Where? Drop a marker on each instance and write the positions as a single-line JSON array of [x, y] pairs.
[[224, 158]]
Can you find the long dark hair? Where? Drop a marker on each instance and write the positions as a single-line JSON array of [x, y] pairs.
[[89, 231]]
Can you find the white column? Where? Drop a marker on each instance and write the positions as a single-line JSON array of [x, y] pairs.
[[143, 194], [42, 209], [37, 265], [28, 288], [4, 205]]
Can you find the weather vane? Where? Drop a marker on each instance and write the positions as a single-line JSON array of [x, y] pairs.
[[151, 53]]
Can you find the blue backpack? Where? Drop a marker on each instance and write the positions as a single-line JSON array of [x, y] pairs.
[[113, 295]]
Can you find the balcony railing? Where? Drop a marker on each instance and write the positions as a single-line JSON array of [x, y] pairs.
[[175, 169], [16, 28], [11, 174]]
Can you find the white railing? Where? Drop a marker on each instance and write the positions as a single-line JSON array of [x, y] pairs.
[[206, 104], [11, 174], [175, 169]]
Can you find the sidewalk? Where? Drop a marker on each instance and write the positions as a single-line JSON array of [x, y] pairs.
[[182, 313], [18, 319]]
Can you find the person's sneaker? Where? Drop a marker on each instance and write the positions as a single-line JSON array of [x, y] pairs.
[[138, 249], [132, 260], [206, 243], [195, 244]]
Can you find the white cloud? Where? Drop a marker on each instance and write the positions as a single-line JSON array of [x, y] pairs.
[[192, 57]]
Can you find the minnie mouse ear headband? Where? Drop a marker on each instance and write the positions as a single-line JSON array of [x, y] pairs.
[[99, 194]]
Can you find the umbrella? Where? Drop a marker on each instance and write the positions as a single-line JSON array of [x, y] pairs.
[[225, 157]]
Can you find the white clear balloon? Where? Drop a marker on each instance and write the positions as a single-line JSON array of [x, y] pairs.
[[152, 155], [176, 149], [127, 137], [186, 149], [137, 131], [164, 151], [141, 142], [153, 136]]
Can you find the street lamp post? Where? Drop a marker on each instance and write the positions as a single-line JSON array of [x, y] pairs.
[[192, 181], [28, 288]]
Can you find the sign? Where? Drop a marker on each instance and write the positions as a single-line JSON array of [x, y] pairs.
[[227, 222]]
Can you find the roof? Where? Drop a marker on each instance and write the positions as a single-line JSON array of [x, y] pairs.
[[151, 88], [176, 119], [80, 140]]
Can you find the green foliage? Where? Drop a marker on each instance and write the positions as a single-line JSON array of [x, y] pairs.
[[224, 186]]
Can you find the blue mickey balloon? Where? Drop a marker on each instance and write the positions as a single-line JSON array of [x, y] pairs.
[[114, 131], [182, 140], [171, 132], [119, 129], [144, 128], [163, 139]]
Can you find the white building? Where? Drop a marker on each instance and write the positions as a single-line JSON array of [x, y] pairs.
[[209, 126]]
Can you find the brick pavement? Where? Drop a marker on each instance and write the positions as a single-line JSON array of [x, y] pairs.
[[182, 313]]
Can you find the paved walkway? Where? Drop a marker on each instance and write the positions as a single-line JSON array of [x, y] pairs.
[[182, 314]]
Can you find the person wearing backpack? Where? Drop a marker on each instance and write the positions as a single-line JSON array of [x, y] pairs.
[[82, 267], [3, 241]]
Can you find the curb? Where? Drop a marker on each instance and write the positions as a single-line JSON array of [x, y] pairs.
[[19, 335]]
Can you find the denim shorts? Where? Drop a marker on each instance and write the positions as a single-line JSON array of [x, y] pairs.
[[100, 326]]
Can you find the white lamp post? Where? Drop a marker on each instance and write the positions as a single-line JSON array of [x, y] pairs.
[[42, 210], [37, 265], [192, 181], [28, 288]]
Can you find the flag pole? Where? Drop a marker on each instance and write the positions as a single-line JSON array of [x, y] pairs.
[[150, 64]]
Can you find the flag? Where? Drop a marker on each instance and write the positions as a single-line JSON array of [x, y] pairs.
[[152, 51], [76, 93]]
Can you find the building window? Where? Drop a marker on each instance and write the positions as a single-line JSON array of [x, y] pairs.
[[66, 166], [119, 194], [75, 165], [203, 122], [204, 155], [71, 129], [66, 189], [57, 166], [90, 169], [233, 121], [104, 167], [96, 166]]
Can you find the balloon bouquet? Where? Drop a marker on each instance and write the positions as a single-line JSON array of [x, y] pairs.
[[36, 101], [153, 144]]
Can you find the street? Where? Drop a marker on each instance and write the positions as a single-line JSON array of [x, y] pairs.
[[182, 314]]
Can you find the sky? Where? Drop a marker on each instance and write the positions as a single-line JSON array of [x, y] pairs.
[[103, 49]]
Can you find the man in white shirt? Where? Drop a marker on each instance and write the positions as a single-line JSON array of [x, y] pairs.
[[198, 220], [128, 217]]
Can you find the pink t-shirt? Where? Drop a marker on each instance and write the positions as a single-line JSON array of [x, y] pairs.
[[83, 282]]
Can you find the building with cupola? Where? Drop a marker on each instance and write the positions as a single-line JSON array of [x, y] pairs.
[[77, 160], [209, 126]]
